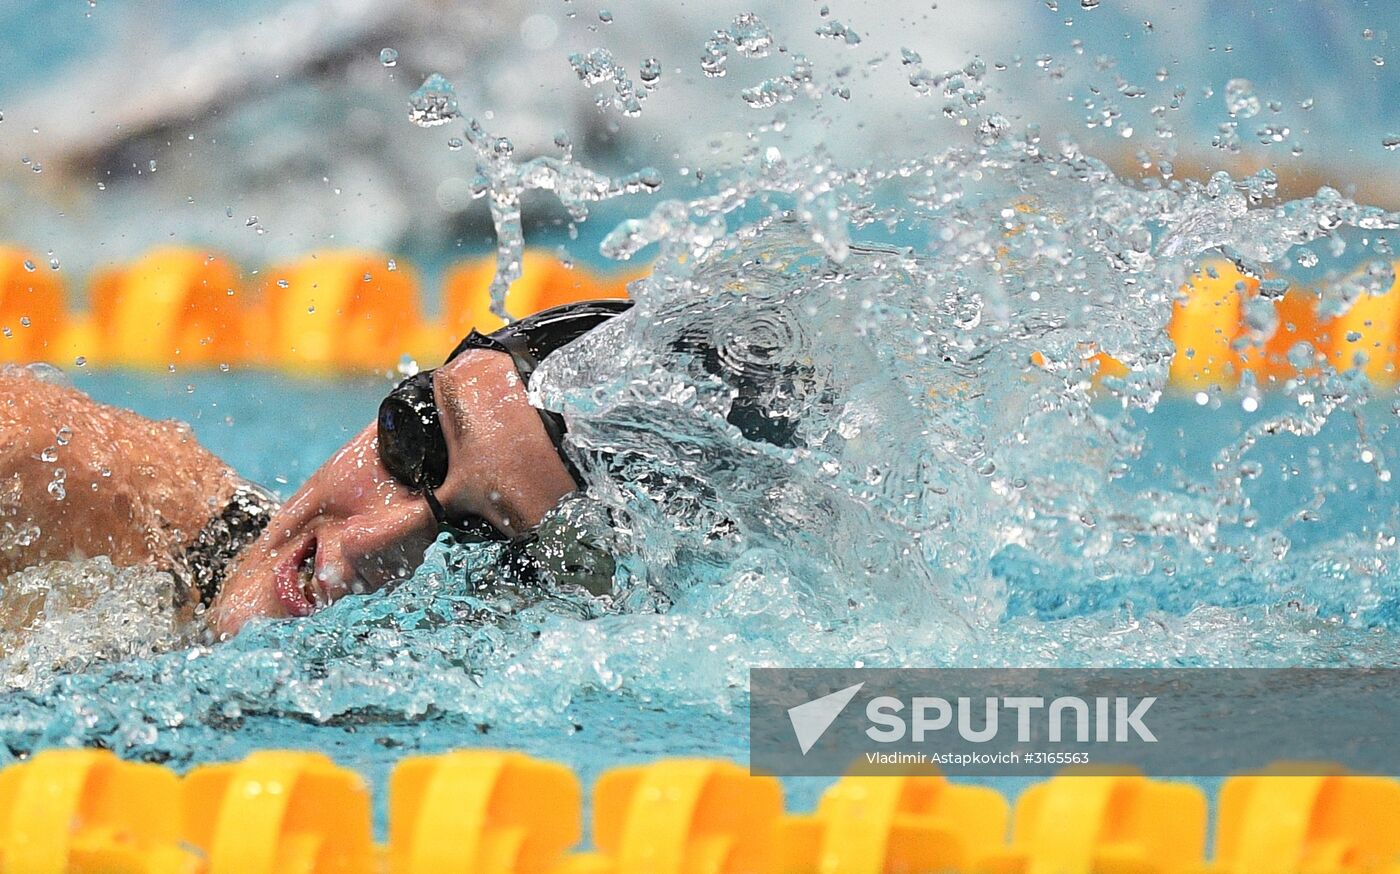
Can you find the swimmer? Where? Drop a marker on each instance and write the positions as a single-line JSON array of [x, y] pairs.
[[81, 479], [456, 450]]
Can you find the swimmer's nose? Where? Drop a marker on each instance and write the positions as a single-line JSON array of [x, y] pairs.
[[387, 545]]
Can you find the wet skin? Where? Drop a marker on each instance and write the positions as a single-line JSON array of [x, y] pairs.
[[118, 496], [352, 528]]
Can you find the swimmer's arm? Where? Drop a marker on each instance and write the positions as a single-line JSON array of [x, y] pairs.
[[80, 479]]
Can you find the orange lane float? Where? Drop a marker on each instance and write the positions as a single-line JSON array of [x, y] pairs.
[[1090, 823], [339, 311], [171, 306], [1365, 335], [279, 813], [1206, 322], [79, 811], [1208, 328], [1323, 824], [32, 314], [496, 812], [874, 824], [481, 811], [350, 311], [681, 816], [544, 282]]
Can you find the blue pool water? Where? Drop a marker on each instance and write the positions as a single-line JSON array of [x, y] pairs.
[[383, 676]]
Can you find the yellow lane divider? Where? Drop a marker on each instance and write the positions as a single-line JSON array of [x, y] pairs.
[[1329, 824], [279, 813], [32, 313], [872, 824], [86, 810], [682, 816], [1086, 824], [338, 310], [1205, 323], [353, 311], [545, 281], [488, 812], [481, 811]]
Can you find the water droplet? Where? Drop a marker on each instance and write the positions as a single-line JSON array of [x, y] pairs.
[[605, 16], [649, 71], [1378, 61], [64, 435], [388, 57], [434, 103], [24, 321], [834, 29], [1240, 99], [80, 361], [28, 265], [1391, 142], [454, 144], [151, 165], [716, 56], [1089, 4], [750, 35], [597, 67], [1368, 33]]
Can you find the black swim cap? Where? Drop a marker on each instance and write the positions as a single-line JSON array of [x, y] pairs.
[[531, 339]]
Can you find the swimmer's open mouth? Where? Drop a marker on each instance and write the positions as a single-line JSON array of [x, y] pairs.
[[298, 590]]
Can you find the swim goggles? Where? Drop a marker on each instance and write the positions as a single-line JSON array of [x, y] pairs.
[[413, 449], [412, 445]]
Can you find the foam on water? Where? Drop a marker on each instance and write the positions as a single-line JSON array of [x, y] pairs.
[[956, 487]]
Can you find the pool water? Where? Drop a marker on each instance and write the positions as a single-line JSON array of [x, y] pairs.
[[379, 677]]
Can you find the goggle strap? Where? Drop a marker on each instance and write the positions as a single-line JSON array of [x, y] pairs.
[[471, 528], [439, 512]]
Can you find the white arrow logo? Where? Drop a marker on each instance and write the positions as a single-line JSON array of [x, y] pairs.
[[811, 720]]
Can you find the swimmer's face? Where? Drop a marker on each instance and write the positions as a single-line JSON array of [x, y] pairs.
[[352, 528]]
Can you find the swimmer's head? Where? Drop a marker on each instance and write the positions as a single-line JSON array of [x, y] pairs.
[[353, 527]]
